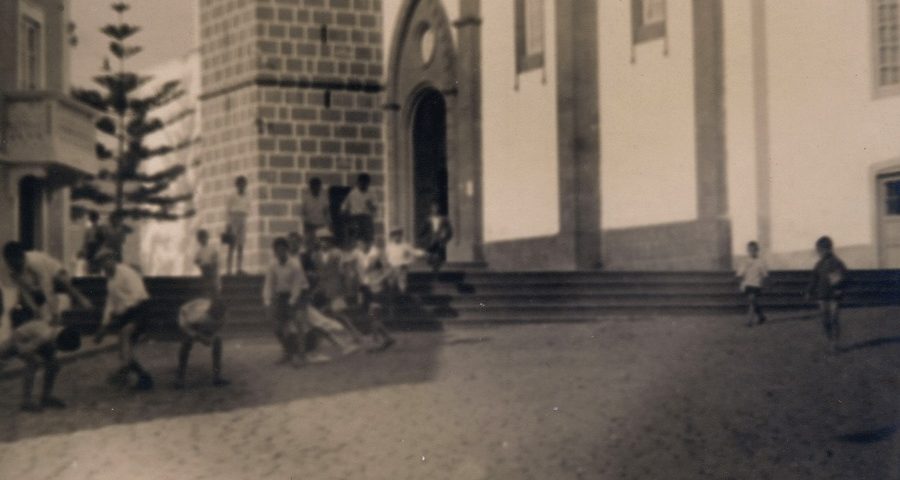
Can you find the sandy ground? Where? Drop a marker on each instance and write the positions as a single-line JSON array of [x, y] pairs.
[[645, 398]]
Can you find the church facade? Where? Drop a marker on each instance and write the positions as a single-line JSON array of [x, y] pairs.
[[567, 134]]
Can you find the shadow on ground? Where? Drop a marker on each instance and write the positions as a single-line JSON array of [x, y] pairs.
[[248, 362]]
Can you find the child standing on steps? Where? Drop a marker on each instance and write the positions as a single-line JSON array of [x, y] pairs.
[[826, 285], [753, 274]]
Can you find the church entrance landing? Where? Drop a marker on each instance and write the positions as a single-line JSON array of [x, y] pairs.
[[433, 152]]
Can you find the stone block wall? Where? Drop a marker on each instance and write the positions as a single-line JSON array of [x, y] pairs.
[[291, 91]]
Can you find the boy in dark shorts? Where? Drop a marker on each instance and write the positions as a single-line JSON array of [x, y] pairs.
[[753, 274], [127, 313], [201, 320], [826, 285], [35, 341]]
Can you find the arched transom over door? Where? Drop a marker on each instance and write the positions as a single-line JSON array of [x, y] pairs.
[[424, 161]]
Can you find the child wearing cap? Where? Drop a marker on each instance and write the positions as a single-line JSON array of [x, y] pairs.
[[35, 341], [201, 320]]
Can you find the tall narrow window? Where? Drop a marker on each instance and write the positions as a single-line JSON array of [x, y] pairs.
[[529, 35], [886, 19], [31, 67]]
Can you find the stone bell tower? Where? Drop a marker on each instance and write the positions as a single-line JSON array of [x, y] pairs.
[[290, 91]]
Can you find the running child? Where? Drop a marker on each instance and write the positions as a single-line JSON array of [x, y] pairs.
[[829, 276], [753, 274], [201, 320]]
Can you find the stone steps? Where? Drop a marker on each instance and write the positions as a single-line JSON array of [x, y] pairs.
[[482, 296]]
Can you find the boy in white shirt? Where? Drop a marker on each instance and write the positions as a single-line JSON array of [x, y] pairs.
[[753, 274], [201, 320], [400, 255], [207, 260], [315, 210], [127, 313], [374, 274], [238, 209], [360, 207], [42, 277], [285, 283]]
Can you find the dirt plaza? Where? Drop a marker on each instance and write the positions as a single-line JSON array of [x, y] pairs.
[[626, 398]]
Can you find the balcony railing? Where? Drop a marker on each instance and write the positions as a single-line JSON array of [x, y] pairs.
[[49, 129]]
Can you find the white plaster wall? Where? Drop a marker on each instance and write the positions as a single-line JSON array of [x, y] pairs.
[[739, 124], [827, 128], [647, 171], [520, 148], [391, 14]]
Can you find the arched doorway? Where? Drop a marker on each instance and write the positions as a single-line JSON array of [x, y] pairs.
[[433, 123], [429, 138], [31, 212]]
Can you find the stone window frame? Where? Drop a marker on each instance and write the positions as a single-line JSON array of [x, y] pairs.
[[878, 25], [31, 15]]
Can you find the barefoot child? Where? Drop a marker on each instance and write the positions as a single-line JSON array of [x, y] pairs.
[[826, 285], [753, 274], [201, 320]]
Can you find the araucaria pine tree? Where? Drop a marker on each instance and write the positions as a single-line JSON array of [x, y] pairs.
[[126, 187]]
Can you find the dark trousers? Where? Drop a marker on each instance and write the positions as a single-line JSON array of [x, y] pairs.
[[360, 227]]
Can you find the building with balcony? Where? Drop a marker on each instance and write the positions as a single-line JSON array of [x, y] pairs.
[[46, 138]]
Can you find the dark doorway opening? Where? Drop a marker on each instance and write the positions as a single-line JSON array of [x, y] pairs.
[[429, 135], [31, 212], [336, 196]]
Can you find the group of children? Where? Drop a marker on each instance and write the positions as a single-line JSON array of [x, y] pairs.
[[311, 295], [826, 286]]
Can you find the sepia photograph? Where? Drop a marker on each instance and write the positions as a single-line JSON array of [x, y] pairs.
[[450, 239]]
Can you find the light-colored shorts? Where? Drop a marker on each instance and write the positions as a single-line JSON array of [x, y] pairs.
[[238, 224]]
